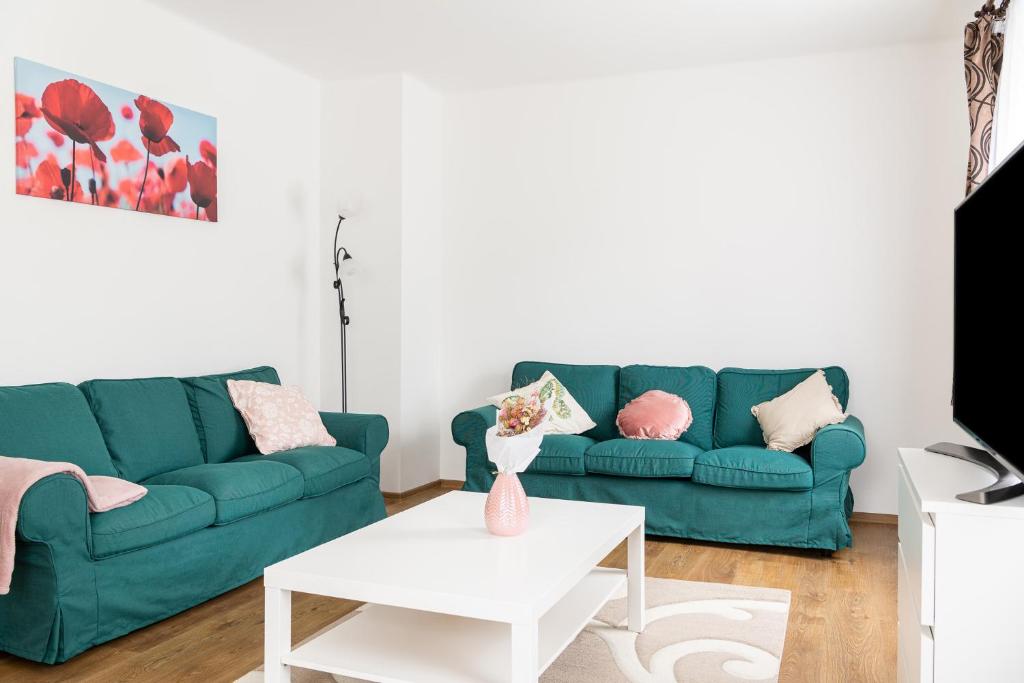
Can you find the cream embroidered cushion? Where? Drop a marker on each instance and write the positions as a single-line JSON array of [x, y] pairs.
[[565, 415], [791, 420], [278, 418]]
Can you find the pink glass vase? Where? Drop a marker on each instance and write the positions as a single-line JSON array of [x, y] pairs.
[[507, 512]]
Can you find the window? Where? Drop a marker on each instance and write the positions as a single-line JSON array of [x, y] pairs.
[[1009, 117]]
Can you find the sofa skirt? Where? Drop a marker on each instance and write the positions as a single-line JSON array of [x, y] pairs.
[[72, 608], [680, 508]]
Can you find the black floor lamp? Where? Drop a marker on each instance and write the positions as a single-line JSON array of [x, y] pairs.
[[340, 256]]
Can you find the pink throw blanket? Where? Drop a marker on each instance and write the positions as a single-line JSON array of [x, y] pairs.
[[17, 475]]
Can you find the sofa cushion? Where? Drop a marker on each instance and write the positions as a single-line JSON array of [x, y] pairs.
[[642, 458], [740, 390], [695, 384], [564, 414], [222, 433], [560, 454], [279, 418], [239, 489], [793, 419], [595, 388], [750, 467], [52, 422], [146, 423], [323, 468], [163, 514]]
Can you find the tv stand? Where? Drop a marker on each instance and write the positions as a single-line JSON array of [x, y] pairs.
[[958, 569], [1007, 484]]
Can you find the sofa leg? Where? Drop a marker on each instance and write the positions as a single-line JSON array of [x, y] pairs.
[[825, 553]]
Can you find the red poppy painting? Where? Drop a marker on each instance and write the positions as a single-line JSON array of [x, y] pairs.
[[78, 140]]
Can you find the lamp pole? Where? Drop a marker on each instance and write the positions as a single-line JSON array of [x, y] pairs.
[[341, 255]]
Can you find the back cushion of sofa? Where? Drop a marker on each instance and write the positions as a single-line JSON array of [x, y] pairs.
[[595, 388], [740, 390], [146, 423], [694, 384], [52, 422], [222, 432]]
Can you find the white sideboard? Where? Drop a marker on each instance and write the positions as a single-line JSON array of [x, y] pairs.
[[961, 575]]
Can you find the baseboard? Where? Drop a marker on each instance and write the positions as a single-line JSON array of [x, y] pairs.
[[873, 518], [447, 484]]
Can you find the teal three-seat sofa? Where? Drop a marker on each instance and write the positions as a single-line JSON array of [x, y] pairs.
[[717, 482], [215, 515]]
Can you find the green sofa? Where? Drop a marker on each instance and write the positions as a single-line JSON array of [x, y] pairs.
[[717, 482], [215, 515]]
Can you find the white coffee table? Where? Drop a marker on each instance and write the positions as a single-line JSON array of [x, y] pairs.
[[448, 602]]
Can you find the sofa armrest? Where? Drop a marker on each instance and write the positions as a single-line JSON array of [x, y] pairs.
[[53, 586], [468, 429], [469, 426], [367, 434], [55, 511], [837, 449]]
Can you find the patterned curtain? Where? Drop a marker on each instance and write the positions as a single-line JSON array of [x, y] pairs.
[[983, 59]]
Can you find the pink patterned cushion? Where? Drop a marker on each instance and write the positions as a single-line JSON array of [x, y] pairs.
[[278, 418], [655, 415]]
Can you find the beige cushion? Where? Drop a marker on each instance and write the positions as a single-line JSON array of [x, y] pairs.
[[791, 420], [565, 415], [278, 418]]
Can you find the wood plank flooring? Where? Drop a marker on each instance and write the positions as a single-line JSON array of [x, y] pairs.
[[842, 624]]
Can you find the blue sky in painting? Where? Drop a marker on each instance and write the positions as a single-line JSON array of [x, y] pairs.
[[188, 129]]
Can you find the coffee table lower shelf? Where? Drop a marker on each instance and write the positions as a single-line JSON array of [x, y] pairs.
[[396, 645]]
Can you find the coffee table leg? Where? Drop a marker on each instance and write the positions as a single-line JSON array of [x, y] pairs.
[[524, 652], [635, 600], [277, 635]]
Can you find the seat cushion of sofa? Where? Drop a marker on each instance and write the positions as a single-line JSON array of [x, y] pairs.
[[323, 468], [163, 514], [561, 454], [642, 458], [239, 489], [750, 467]]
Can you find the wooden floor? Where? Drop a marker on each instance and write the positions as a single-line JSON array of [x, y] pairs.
[[842, 624]]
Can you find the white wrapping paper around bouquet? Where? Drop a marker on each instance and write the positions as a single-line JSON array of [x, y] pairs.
[[513, 453]]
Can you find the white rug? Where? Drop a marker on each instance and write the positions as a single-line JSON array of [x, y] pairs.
[[706, 632]]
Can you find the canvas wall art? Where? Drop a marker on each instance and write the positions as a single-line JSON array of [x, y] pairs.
[[79, 140]]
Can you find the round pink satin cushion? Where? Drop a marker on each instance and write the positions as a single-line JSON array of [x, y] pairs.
[[655, 415]]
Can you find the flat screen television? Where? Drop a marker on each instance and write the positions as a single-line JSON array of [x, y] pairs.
[[988, 283]]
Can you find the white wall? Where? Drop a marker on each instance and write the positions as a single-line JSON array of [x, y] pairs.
[[422, 268], [380, 168], [776, 214], [361, 175], [90, 292]]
